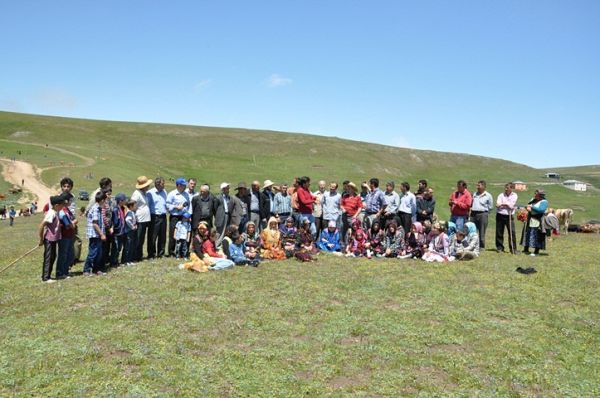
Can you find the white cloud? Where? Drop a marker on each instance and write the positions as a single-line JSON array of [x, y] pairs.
[[401, 142], [56, 98], [276, 80], [202, 84]]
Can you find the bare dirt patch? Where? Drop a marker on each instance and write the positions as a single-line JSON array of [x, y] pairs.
[[304, 375], [434, 376], [342, 381]]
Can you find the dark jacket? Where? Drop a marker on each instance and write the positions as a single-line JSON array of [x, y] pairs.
[[222, 218], [202, 210], [245, 199], [264, 211], [265, 207], [425, 205]]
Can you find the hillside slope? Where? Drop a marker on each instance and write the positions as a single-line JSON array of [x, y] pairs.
[[89, 149]]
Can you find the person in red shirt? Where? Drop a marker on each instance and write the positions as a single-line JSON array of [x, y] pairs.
[[306, 201], [460, 205], [352, 206]]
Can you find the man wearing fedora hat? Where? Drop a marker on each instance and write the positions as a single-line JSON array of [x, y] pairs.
[[142, 214], [244, 197], [268, 198], [178, 203]]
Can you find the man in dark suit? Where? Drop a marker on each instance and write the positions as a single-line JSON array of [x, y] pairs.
[[224, 207], [203, 208]]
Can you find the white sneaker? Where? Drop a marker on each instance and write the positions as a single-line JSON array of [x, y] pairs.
[[532, 254], [49, 281]]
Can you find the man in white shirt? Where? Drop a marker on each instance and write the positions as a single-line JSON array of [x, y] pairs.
[[408, 207], [392, 201], [142, 214], [506, 205], [178, 203]]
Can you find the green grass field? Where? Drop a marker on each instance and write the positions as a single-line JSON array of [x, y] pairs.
[[338, 327]]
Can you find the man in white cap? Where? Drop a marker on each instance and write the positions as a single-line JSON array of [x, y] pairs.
[[178, 203]]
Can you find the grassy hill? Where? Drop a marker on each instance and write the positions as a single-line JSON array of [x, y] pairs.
[[124, 150]]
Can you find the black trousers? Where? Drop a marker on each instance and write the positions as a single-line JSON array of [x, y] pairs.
[[141, 237], [504, 221], [405, 221], [49, 258], [320, 225], [157, 235], [480, 219], [172, 223]]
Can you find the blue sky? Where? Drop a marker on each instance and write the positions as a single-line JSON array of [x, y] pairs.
[[517, 80]]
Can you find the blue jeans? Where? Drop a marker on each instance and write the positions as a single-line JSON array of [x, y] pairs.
[[65, 257], [459, 221], [116, 249], [181, 248], [129, 251], [92, 262]]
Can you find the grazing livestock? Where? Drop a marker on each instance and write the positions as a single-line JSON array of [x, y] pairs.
[[565, 216]]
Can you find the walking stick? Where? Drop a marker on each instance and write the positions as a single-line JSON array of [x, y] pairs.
[[20, 258]]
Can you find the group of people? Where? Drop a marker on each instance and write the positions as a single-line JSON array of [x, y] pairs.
[[274, 222]]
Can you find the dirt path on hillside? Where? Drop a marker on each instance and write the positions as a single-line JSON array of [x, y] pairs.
[[88, 161], [18, 172]]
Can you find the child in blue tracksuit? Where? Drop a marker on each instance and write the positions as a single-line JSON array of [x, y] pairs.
[[118, 222], [130, 233], [182, 233], [237, 250]]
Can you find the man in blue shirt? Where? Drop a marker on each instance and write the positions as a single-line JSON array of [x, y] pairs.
[[374, 203], [407, 212], [178, 203], [157, 232]]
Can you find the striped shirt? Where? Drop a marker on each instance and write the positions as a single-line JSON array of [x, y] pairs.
[[283, 204], [94, 217]]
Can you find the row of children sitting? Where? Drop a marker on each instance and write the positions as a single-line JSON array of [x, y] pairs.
[[432, 243], [436, 242]]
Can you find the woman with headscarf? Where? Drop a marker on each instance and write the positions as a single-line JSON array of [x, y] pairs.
[[330, 239], [289, 233], [534, 234], [375, 240], [414, 242], [271, 241], [439, 247], [464, 245], [393, 241], [197, 262], [357, 238], [305, 243]]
